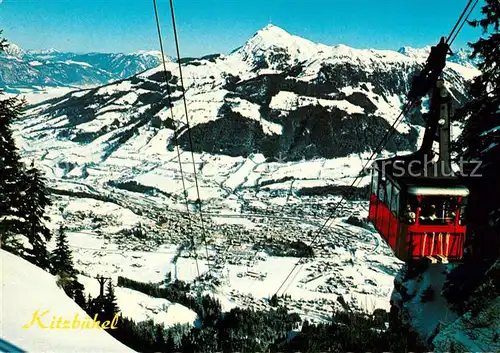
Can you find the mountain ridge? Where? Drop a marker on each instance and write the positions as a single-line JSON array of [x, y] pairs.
[[278, 91], [33, 69]]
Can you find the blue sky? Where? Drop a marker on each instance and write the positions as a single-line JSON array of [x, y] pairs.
[[210, 26]]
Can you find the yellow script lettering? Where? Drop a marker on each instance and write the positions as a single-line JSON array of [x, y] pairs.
[[36, 317], [114, 321], [75, 322]]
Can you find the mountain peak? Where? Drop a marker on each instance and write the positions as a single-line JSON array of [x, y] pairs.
[[147, 52], [415, 53], [274, 29], [44, 51], [153, 53], [266, 37], [271, 33], [272, 39]]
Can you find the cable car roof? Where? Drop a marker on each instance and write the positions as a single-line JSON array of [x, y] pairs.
[[438, 191]]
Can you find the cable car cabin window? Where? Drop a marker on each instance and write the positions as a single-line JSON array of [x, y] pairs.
[[410, 211], [463, 206], [374, 181], [388, 194], [381, 189], [438, 210], [395, 201]]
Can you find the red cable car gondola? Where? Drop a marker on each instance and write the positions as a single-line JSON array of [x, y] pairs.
[[417, 204]]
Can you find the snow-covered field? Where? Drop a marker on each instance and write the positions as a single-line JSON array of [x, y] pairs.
[[40, 94], [244, 201], [142, 307]]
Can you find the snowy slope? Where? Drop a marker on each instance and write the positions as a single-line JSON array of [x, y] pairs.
[[431, 316], [25, 289], [40, 94], [141, 307], [472, 334], [423, 315]]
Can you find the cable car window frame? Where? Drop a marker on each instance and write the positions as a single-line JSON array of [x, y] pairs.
[[440, 216], [450, 208]]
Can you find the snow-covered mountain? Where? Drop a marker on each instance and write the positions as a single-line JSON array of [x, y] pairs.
[[461, 56], [279, 127], [40, 68], [27, 289], [276, 94]]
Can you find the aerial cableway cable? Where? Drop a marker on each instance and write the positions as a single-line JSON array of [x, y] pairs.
[[381, 145], [174, 26], [170, 107], [377, 149], [354, 184], [451, 40], [460, 19]]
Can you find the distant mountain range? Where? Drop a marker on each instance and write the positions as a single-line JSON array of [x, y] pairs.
[[278, 94], [461, 56], [33, 69]]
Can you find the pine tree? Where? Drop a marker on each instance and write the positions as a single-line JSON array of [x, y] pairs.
[[160, 339], [62, 266], [3, 43], [480, 139], [274, 300], [78, 294], [110, 306], [34, 204], [61, 258], [90, 307], [11, 193], [97, 306], [170, 343], [23, 197]]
